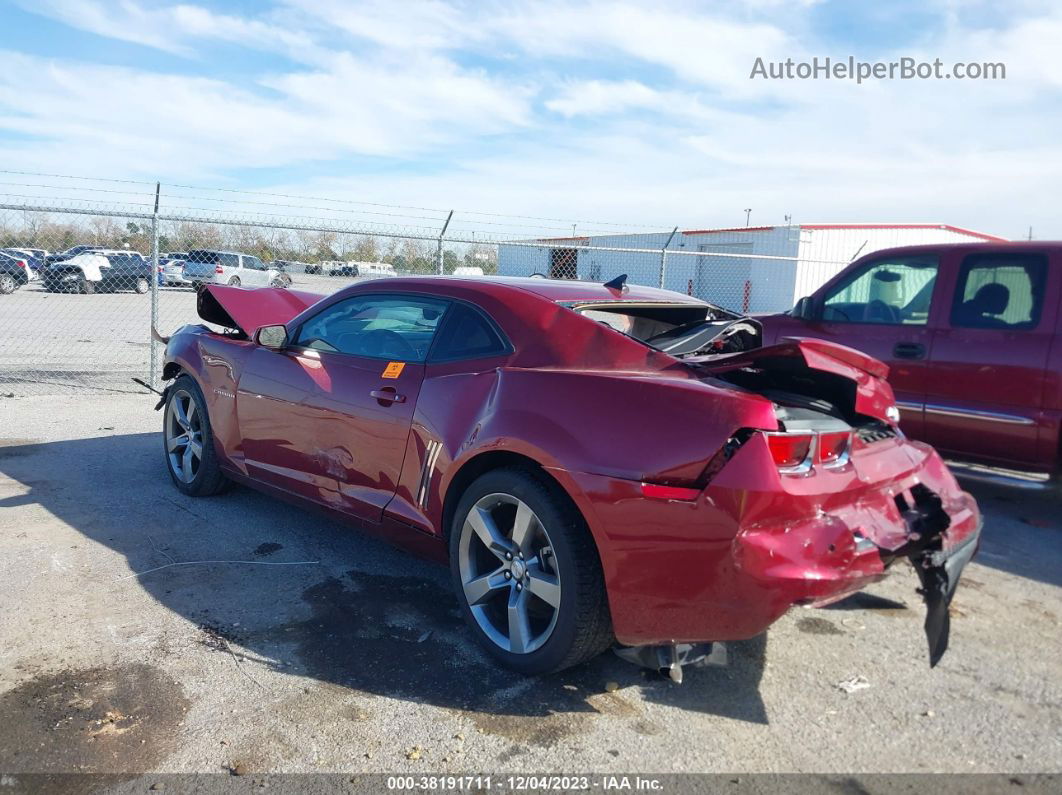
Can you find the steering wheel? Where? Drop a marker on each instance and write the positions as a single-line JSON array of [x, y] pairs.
[[878, 310], [384, 342]]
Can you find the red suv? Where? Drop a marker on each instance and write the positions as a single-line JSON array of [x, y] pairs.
[[972, 334]]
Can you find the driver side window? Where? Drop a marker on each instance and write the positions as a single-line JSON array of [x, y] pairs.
[[391, 327], [891, 292]]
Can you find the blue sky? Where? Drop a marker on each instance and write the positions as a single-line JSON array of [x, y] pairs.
[[639, 113]]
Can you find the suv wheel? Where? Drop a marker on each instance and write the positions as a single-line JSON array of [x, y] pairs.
[[7, 284], [527, 574], [142, 285], [87, 287], [234, 281]]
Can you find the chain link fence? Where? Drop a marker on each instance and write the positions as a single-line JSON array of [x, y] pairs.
[[89, 267]]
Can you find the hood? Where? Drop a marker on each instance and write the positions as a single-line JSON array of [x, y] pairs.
[[872, 397], [248, 310]]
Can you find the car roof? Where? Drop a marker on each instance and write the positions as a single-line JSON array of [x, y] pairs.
[[560, 290]]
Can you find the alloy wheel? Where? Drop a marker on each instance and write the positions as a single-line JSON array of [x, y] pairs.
[[509, 575], [184, 436]]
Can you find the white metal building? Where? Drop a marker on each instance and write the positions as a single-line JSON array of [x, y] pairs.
[[748, 269]]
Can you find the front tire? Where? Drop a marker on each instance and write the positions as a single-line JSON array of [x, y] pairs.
[[188, 441], [527, 573], [87, 286], [141, 286]]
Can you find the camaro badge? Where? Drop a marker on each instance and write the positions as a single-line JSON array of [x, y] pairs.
[[393, 369]]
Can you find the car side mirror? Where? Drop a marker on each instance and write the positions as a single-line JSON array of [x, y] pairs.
[[804, 309], [274, 337]]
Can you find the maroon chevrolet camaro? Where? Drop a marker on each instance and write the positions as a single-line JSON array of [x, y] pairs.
[[600, 465]]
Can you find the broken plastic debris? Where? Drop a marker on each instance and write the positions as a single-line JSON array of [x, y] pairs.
[[855, 683]]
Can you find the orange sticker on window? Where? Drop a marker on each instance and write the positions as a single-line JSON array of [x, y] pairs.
[[393, 369]]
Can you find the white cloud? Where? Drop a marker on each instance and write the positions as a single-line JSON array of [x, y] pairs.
[[591, 109], [178, 29]]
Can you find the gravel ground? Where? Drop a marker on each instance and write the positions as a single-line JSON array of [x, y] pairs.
[[346, 655]]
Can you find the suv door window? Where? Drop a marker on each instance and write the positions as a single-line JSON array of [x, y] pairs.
[[253, 263], [895, 291], [229, 260], [1000, 291], [379, 326]]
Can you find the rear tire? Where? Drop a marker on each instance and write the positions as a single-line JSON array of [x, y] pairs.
[[186, 424], [234, 281], [7, 284], [87, 286], [538, 604], [141, 286]]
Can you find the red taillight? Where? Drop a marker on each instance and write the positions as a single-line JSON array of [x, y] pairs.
[[21, 263], [833, 448], [790, 451], [218, 269], [160, 269], [656, 491]]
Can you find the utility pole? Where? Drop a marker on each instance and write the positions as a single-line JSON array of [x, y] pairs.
[[748, 212], [154, 287], [439, 249]]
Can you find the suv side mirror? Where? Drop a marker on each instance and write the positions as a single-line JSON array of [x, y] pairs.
[[274, 337]]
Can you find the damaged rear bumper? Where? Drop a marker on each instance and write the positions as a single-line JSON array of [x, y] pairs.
[[726, 566]]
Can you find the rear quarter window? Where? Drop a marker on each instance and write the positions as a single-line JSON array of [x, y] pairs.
[[467, 334]]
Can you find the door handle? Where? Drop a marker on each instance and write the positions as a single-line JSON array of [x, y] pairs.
[[387, 395], [909, 350]]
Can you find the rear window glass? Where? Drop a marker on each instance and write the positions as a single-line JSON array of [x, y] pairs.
[[1002, 291]]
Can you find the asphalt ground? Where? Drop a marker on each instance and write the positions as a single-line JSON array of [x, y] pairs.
[[314, 648]]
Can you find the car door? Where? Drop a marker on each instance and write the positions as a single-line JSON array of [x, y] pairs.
[[328, 416], [882, 307], [985, 395]]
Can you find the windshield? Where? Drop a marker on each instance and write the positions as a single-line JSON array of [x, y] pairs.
[[677, 329]]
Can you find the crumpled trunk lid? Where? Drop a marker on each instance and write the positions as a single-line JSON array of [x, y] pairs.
[[248, 310], [818, 368]]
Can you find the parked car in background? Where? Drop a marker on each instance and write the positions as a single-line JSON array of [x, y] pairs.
[[33, 257], [690, 487], [285, 267], [70, 253], [356, 268], [972, 334], [468, 270], [14, 272], [108, 270], [314, 268], [204, 266], [171, 271]]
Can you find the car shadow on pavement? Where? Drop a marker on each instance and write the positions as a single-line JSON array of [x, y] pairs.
[[330, 603]]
